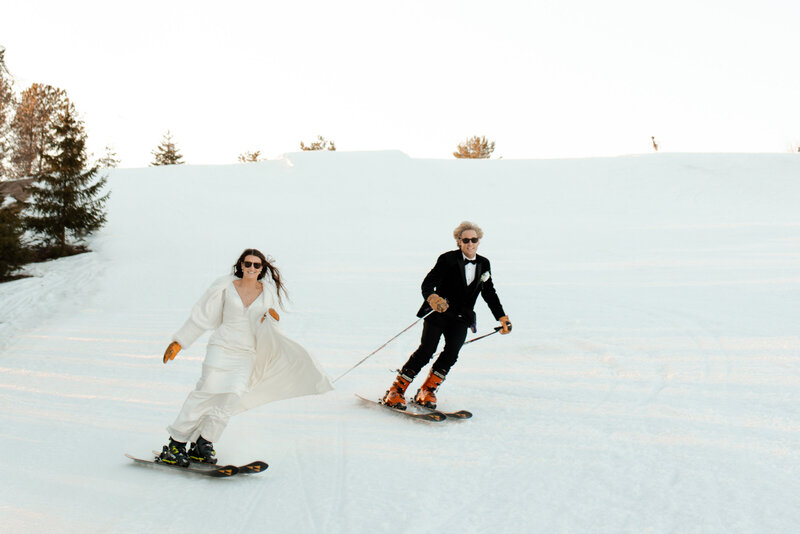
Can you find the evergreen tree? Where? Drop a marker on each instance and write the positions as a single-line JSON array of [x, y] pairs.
[[475, 148], [33, 128], [67, 199], [109, 159], [13, 253], [166, 153], [320, 144], [7, 104]]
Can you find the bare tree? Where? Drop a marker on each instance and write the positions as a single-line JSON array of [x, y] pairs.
[[475, 148], [250, 157], [33, 128], [320, 144]]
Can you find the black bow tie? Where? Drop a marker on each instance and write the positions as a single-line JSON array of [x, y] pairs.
[[473, 262]]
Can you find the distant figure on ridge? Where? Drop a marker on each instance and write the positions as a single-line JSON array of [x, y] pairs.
[[248, 360], [655, 145], [450, 289]]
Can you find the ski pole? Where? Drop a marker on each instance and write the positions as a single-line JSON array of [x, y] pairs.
[[496, 330], [379, 348]]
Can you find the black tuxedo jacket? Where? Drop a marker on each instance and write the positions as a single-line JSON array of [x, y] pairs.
[[448, 280]]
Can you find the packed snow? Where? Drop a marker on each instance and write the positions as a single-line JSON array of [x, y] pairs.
[[651, 383]]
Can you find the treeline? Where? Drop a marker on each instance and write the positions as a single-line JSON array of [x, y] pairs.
[[167, 152], [60, 194], [61, 197], [474, 147]]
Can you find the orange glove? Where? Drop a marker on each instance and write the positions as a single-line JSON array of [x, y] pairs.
[[172, 350], [438, 303], [506, 325]]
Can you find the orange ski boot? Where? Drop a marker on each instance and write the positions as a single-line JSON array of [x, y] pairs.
[[395, 395], [426, 395]]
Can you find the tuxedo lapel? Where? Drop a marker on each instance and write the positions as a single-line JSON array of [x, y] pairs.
[[461, 271], [478, 273]]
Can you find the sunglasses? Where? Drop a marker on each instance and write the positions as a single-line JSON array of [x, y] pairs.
[[254, 264], [466, 240]]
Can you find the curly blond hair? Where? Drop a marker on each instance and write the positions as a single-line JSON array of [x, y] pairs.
[[463, 227]]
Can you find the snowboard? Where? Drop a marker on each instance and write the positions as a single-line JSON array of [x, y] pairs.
[[215, 471], [253, 467]]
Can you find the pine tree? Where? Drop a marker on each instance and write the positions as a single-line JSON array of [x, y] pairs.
[[320, 144], [33, 128], [109, 159], [475, 148], [13, 253], [7, 104], [167, 153], [67, 199]]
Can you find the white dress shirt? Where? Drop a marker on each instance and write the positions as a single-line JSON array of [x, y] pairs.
[[469, 269]]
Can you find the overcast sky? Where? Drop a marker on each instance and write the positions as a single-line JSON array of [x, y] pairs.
[[541, 78]]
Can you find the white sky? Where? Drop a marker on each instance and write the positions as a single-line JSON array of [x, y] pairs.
[[542, 78]]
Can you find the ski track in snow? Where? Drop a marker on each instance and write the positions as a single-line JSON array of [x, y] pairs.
[[651, 382], [29, 302]]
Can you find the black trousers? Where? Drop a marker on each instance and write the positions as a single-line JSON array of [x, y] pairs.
[[454, 331]]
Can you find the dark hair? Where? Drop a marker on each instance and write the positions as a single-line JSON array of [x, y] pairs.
[[274, 273]]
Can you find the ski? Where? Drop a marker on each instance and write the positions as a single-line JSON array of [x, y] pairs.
[[429, 415], [222, 471], [460, 414], [253, 467]]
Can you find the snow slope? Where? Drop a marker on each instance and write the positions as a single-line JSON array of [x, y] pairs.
[[651, 382]]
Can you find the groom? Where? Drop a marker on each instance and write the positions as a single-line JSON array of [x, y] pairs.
[[450, 290]]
